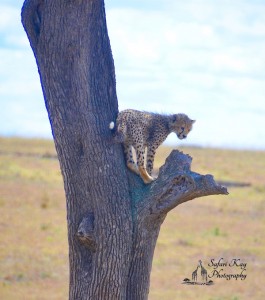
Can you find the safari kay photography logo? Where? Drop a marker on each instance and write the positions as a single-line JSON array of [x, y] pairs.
[[233, 269]]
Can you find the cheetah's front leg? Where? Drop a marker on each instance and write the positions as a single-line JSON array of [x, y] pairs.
[[151, 150], [140, 162]]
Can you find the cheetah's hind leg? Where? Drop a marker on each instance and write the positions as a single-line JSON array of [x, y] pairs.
[[145, 176], [119, 132], [118, 137], [129, 159], [140, 162]]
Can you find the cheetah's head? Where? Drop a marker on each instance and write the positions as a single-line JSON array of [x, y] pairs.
[[182, 125]]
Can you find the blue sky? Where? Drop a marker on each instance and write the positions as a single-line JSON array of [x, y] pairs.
[[203, 58]]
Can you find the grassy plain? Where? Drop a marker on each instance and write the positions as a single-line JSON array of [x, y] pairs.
[[33, 248]]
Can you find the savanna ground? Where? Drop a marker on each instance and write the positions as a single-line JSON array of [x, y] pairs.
[[33, 249]]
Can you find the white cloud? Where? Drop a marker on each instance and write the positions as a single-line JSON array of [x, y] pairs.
[[161, 38], [8, 18], [202, 58], [22, 106], [11, 30], [18, 74]]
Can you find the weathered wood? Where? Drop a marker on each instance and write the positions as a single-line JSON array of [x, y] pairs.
[[176, 184], [113, 217]]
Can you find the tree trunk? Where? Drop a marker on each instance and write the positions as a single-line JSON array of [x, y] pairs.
[[113, 218]]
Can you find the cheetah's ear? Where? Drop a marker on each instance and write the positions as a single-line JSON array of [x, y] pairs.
[[174, 118], [193, 121]]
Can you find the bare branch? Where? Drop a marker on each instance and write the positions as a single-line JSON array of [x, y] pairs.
[[177, 184]]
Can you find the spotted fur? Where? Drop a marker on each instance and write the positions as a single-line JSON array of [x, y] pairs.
[[142, 130]]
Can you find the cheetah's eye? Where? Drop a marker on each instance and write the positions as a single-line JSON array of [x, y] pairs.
[[182, 128]]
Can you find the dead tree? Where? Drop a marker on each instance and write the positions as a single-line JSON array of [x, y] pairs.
[[113, 218]]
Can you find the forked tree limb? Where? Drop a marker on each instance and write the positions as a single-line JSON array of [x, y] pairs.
[[176, 184]]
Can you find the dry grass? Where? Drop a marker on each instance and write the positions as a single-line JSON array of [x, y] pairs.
[[33, 249]]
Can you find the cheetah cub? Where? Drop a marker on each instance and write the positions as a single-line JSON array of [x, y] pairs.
[[142, 130]]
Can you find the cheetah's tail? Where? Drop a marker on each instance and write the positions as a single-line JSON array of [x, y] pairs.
[[111, 125]]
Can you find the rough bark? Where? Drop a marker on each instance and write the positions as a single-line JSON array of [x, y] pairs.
[[113, 217]]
